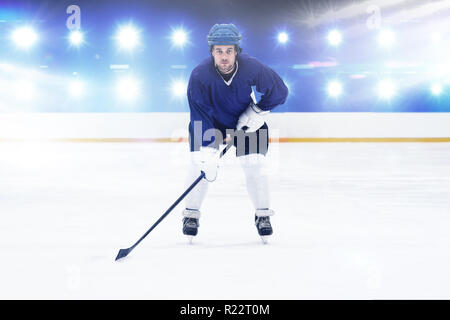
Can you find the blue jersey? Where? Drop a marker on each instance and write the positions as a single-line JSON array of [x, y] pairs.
[[217, 103]]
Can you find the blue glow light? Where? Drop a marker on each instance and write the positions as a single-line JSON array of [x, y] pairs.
[[76, 88], [76, 38], [386, 89], [436, 89], [283, 37], [334, 89], [128, 88], [334, 37], [24, 37], [179, 88], [179, 37], [386, 38], [127, 37]]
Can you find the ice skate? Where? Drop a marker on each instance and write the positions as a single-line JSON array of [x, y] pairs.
[[190, 226], [190, 223], [262, 222], [263, 225]]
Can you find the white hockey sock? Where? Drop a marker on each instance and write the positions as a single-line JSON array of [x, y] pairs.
[[195, 198], [257, 180]]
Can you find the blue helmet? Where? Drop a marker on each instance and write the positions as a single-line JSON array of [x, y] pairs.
[[224, 34]]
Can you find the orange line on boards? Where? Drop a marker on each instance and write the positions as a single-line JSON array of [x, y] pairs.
[[181, 139]]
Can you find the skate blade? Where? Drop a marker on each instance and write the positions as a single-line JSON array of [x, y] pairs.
[[265, 239], [190, 239]]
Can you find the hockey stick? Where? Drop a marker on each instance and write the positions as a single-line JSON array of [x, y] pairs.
[[124, 252]]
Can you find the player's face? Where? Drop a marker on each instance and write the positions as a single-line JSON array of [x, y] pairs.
[[224, 58]]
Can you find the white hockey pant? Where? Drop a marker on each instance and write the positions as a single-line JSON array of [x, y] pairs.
[[254, 166]]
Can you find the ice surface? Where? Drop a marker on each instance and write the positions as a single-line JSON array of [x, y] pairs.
[[353, 220]]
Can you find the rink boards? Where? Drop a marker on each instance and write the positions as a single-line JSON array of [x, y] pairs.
[[172, 127]]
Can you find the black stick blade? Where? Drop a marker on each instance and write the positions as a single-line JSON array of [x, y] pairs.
[[122, 253]]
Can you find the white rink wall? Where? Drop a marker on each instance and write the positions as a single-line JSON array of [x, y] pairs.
[[174, 125]]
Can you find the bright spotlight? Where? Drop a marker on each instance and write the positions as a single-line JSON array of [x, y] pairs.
[[179, 88], [127, 37], [76, 38], [436, 89], [283, 37], [334, 89], [24, 37], [386, 38], [386, 89], [127, 88], [334, 37], [179, 37], [436, 38], [76, 88], [24, 90]]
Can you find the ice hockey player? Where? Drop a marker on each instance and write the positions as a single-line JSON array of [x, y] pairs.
[[220, 101]]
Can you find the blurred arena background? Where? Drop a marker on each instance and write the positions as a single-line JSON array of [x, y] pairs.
[[136, 56]]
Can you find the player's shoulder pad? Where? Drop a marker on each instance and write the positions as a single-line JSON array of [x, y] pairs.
[[250, 65], [247, 59]]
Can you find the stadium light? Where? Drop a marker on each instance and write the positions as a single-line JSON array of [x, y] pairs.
[[76, 88], [386, 38], [283, 37], [24, 90], [179, 88], [179, 38], [386, 89], [127, 37], [127, 89], [436, 38], [334, 37], [76, 38], [24, 37], [436, 89], [334, 89]]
